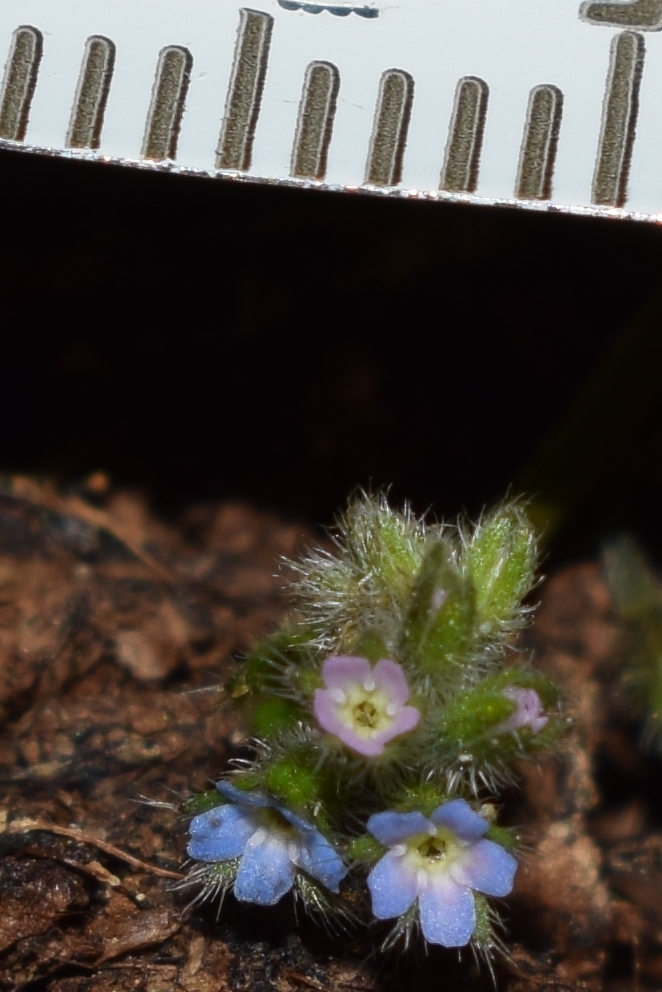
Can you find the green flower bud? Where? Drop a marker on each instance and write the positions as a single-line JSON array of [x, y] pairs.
[[500, 558]]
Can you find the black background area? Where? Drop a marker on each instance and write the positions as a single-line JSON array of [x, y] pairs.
[[207, 339]]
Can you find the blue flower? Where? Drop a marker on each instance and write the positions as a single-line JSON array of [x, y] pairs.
[[271, 842], [439, 861]]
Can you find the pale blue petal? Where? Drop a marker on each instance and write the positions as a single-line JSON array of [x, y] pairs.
[[220, 833], [392, 884], [242, 798], [487, 867], [295, 820], [317, 857], [393, 828], [265, 871], [459, 817], [447, 911]]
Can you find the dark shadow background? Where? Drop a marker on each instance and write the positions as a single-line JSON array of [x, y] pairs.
[[205, 339]]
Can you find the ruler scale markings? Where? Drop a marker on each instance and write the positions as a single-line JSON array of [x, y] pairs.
[[465, 138], [643, 14], [389, 133], [91, 93], [164, 118], [552, 116], [619, 120], [539, 143], [245, 90], [315, 122], [19, 82]]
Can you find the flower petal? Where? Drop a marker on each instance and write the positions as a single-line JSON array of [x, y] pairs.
[[404, 720], [528, 711], [220, 833], [459, 817], [295, 820], [326, 713], [447, 911], [393, 828], [318, 858], [392, 884], [389, 676], [369, 748], [265, 871], [341, 669], [485, 866], [241, 797]]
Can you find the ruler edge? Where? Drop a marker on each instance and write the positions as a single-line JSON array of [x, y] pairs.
[[171, 167]]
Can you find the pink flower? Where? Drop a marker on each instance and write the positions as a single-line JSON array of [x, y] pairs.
[[528, 712], [362, 706]]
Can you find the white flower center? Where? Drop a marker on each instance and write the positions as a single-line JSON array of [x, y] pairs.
[[366, 708], [431, 854]]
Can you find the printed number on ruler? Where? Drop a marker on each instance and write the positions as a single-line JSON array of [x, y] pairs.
[[548, 102]]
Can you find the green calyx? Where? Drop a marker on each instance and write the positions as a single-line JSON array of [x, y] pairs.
[[484, 932], [202, 802], [364, 850], [272, 715], [472, 718], [502, 835], [423, 797], [289, 780]]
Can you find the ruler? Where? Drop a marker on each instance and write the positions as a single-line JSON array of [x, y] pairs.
[[547, 104]]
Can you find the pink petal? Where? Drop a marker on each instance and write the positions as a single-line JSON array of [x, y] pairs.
[[404, 720], [389, 676], [370, 747], [326, 711], [341, 669], [529, 711]]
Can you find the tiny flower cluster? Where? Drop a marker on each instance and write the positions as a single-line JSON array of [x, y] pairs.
[[394, 699]]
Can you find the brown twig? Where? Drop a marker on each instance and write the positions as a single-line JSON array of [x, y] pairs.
[[23, 826]]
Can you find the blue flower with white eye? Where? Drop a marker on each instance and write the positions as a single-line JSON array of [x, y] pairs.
[[438, 860], [271, 842]]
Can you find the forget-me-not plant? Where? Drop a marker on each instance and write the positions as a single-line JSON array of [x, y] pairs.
[[386, 715]]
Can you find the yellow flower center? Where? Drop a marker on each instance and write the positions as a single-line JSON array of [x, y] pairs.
[[431, 853], [366, 714], [433, 848], [365, 707]]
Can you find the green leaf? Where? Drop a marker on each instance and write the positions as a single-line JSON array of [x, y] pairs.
[[440, 621]]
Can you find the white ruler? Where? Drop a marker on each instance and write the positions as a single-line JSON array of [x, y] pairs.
[[553, 104]]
